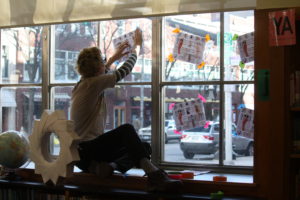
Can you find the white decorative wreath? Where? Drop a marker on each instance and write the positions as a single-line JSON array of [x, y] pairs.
[[49, 166]]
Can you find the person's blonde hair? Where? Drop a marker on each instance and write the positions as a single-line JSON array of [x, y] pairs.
[[88, 61]]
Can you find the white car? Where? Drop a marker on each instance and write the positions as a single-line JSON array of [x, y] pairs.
[[205, 140], [170, 132], [145, 134]]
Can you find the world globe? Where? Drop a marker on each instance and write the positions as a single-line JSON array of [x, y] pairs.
[[14, 149]]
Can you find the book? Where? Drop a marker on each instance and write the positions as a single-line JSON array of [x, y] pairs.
[[297, 88], [296, 135], [292, 89]]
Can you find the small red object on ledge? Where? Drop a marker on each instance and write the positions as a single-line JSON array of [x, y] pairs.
[[188, 175], [220, 178], [175, 175]]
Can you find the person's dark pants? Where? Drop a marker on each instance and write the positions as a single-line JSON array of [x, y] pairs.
[[121, 145]]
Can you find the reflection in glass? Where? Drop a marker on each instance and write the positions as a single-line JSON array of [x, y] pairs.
[[69, 40], [200, 26], [19, 108], [21, 55]]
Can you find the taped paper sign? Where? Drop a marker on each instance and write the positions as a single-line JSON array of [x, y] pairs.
[[245, 126], [246, 47], [189, 48], [282, 28], [129, 37], [189, 114]]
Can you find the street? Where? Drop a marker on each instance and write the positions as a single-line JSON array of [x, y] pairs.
[[174, 154]]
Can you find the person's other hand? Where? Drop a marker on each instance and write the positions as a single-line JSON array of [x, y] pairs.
[[120, 52]]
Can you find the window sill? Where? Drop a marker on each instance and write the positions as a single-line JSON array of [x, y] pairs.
[[199, 175], [207, 176], [104, 192], [84, 183]]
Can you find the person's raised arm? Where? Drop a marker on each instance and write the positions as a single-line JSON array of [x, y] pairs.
[[126, 68], [117, 55]]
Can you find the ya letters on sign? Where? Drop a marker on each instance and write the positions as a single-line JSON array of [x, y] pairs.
[[282, 29]]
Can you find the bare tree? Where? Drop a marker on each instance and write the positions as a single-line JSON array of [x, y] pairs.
[[107, 34], [33, 68]]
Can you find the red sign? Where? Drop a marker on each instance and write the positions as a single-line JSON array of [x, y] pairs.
[[282, 30]]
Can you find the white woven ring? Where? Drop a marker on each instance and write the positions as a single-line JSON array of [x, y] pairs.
[[46, 164]]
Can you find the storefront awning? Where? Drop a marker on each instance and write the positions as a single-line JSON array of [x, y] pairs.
[[57, 96], [172, 99]]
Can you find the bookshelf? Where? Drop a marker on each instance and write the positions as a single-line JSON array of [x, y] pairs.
[[276, 162], [295, 155], [292, 68], [295, 109]]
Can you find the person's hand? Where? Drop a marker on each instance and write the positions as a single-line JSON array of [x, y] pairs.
[[119, 53], [138, 38]]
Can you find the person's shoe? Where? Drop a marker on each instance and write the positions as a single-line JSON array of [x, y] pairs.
[[158, 181], [101, 169]]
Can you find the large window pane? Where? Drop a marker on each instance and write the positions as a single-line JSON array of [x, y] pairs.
[[61, 99], [110, 30], [125, 104], [191, 56], [239, 127], [69, 40], [19, 107], [129, 104], [237, 23], [197, 142], [200, 142], [21, 55]]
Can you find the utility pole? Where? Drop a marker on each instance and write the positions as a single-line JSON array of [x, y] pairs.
[[142, 94]]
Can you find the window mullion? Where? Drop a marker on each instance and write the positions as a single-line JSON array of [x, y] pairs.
[[157, 104], [46, 54], [221, 133]]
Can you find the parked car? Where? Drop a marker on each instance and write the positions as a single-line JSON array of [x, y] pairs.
[[170, 132], [205, 140], [145, 134]]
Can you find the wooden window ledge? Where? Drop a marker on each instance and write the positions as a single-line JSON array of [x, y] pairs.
[[128, 187]]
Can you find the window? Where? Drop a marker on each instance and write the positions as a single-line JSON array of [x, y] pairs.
[[68, 43], [130, 101], [215, 77], [210, 73], [21, 56]]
